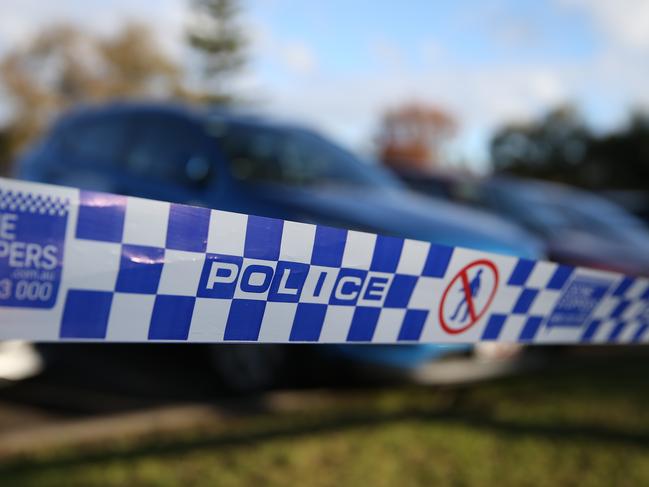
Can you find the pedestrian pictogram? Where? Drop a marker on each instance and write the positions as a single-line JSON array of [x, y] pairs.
[[468, 296]]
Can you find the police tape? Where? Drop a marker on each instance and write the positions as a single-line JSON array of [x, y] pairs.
[[80, 265]]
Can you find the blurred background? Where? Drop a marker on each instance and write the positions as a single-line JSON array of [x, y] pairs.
[[513, 127]]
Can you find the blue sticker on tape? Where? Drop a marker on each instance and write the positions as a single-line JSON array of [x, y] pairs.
[[578, 301], [32, 235]]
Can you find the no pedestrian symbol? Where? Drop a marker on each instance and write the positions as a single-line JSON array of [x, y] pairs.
[[468, 296]]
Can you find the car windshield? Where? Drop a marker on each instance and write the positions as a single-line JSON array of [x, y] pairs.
[[293, 156], [562, 209]]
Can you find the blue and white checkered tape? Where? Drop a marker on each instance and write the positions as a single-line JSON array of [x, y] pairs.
[[79, 265]]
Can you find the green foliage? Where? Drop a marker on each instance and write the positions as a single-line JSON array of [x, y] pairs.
[[5, 152], [561, 147], [89, 69], [583, 423], [92, 68], [221, 44]]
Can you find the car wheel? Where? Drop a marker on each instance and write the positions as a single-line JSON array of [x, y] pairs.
[[246, 368]]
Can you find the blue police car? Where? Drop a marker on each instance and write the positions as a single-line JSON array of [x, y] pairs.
[[250, 164]]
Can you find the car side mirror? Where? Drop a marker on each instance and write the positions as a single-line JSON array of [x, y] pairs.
[[197, 170]]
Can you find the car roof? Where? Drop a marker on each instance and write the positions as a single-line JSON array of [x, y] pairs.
[[551, 191], [532, 184], [199, 113]]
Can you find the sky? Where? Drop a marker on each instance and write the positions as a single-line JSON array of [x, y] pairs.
[[337, 65]]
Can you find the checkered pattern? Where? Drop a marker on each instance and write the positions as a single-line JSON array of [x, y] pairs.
[[623, 316], [151, 289], [536, 290], [30, 203], [141, 270], [530, 291]]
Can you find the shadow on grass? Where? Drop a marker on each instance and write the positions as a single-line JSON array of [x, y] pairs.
[[622, 377], [340, 423]]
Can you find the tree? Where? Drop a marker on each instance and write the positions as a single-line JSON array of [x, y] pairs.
[[549, 147], [619, 159], [64, 65], [220, 43], [6, 144], [137, 67], [559, 146], [413, 136]]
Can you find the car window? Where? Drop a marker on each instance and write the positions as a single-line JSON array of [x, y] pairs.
[[432, 187], [97, 141], [534, 209], [469, 192], [600, 217], [293, 156], [169, 150], [554, 210]]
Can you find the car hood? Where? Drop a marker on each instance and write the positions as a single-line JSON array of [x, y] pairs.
[[401, 213]]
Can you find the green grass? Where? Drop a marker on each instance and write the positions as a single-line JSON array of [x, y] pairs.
[[585, 426]]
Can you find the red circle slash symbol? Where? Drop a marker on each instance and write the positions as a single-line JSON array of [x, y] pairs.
[[472, 283]]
